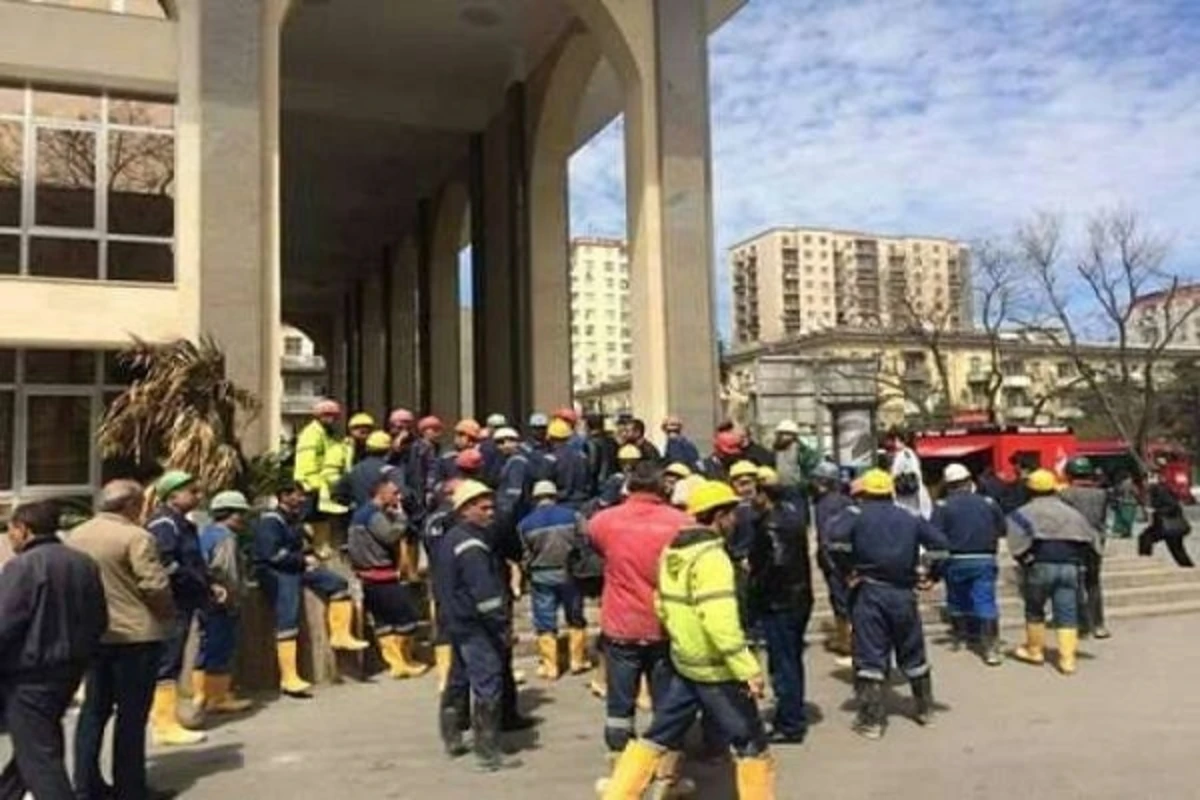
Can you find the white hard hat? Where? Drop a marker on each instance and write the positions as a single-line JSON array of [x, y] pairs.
[[506, 433], [788, 426], [956, 473], [545, 489]]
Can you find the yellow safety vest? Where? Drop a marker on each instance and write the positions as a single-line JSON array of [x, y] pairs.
[[320, 462], [697, 603]]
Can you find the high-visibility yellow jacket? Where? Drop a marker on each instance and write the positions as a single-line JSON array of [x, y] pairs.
[[320, 462], [697, 603]]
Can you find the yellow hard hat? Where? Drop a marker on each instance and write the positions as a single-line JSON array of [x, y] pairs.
[[678, 470], [558, 429], [877, 482], [743, 469], [361, 420], [629, 452], [768, 476], [1042, 481], [468, 491], [379, 440], [710, 496]]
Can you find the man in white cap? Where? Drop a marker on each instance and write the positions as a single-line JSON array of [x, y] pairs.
[[973, 525], [552, 535]]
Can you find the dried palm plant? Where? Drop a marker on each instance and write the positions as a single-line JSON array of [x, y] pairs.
[[179, 411]]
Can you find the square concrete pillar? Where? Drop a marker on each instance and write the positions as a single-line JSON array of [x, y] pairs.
[[228, 155], [668, 167], [404, 326]]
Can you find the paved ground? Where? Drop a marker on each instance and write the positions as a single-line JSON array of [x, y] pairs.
[[1125, 726]]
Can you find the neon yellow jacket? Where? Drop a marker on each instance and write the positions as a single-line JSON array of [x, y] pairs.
[[697, 603], [320, 462]]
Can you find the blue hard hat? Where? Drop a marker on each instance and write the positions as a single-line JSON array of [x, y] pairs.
[[538, 420]]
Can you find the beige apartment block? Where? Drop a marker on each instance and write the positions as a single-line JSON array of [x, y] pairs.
[[601, 332], [1168, 313], [787, 282], [179, 168]]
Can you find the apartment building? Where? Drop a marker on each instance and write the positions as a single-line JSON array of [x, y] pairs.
[[1175, 313], [787, 282], [601, 336]]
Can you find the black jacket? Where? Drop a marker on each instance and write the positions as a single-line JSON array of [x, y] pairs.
[[52, 608], [601, 452], [780, 573]]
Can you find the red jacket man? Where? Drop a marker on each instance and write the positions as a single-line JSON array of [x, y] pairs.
[[631, 537]]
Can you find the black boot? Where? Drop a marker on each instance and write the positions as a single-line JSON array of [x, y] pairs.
[[990, 642], [922, 689], [872, 718], [958, 633], [487, 739], [451, 725]]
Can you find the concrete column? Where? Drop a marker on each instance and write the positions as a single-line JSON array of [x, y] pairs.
[[228, 153], [449, 220], [404, 327], [372, 332]]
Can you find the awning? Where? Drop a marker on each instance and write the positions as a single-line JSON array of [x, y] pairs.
[[934, 448]]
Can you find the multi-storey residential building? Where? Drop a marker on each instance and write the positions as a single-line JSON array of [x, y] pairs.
[[792, 281], [601, 340], [305, 379], [1176, 312]]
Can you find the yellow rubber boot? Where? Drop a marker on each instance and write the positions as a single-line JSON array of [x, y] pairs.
[[220, 698], [633, 773], [1034, 649], [756, 778], [412, 666], [341, 616], [442, 656], [395, 650], [199, 689], [577, 645], [1068, 645], [290, 682], [547, 644], [165, 729]]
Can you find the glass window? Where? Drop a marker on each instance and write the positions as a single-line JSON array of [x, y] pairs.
[[141, 261], [141, 113], [74, 107], [59, 451], [141, 183], [7, 423], [10, 254], [292, 346], [8, 366], [64, 258], [12, 100], [60, 366], [12, 138], [66, 178]]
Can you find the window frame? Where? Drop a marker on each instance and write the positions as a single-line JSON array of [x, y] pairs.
[[28, 227]]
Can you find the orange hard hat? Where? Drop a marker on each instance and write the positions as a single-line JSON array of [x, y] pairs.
[[429, 423], [567, 414], [728, 443], [469, 427], [470, 459]]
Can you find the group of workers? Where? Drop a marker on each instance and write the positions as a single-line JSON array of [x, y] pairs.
[[697, 563]]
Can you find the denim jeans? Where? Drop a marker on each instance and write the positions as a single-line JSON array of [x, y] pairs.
[[122, 677], [1058, 584], [548, 597], [784, 631], [728, 706], [170, 662], [218, 637], [626, 663], [284, 590], [971, 587]]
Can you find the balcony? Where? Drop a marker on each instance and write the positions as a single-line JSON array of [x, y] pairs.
[[916, 374], [1020, 412], [1069, 412], [302, 363], [978, 376], [297, 404], [1017, 381]]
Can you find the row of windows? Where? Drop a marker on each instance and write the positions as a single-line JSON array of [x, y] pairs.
[[87, 186], [137, 8]]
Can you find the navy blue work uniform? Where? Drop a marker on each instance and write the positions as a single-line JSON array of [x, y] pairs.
[[612, 491], [422, 474], [878, 545], [355, 488], [513, 489], [681, 450], [473, 611], [568, 468], [283, 573], [179, 551], [826, 509], [972, 524]]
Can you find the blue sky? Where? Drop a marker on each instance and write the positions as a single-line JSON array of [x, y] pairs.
[[948, 117]]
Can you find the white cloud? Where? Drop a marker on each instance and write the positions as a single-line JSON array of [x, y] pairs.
[[953, 118]]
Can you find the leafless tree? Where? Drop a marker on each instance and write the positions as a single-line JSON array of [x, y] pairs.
[[1093, 297]]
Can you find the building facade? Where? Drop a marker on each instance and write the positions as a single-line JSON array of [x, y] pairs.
[[1173, 312], [787, 282], [187, 168], [601, 335]]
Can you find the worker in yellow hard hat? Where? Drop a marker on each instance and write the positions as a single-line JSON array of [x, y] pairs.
[[359, 428], [673, 474], [877, 545], [714, 669], [355, 488], [1050, 539], [566, 465], [612, 490]]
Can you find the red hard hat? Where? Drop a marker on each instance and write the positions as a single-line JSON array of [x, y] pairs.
[[400, 417], [728, 443], [567, 414], [429, 423], [469, 459]]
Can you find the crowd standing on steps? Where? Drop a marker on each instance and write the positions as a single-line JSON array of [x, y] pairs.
[[699, 564]]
